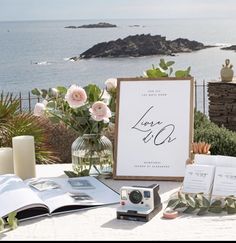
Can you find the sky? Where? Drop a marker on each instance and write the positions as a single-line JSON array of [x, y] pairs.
[[12, 10]]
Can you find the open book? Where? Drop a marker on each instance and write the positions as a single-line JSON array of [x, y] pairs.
[[214, 176], [47, 196]]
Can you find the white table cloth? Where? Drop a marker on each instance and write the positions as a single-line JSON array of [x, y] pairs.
[[101, 223]]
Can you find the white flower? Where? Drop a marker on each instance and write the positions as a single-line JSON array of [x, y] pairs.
[[39, 109], [106, 97], [111, 84], [54, 92]]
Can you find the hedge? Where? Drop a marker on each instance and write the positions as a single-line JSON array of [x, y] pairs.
[[223, 141]]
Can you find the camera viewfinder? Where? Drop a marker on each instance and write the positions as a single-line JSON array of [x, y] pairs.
[[146, 194]]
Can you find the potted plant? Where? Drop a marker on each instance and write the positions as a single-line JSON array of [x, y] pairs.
[[227, 72]]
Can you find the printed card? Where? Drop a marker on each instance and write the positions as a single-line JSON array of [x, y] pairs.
[[44, 185], [224, 182], [80, 184], [198, 179]]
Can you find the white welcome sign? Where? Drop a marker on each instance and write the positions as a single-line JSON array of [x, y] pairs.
[[154, 126]]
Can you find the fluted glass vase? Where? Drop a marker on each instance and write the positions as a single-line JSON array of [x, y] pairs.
[[92, 155]]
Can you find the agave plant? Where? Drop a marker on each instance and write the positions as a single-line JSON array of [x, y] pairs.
[[14, 123]]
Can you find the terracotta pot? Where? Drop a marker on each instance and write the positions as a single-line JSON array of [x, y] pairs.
[[227, 72]]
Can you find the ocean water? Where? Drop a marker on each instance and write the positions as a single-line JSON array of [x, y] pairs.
[[35, 53]]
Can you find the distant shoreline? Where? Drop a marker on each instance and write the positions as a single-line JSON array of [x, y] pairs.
[[114, 19], [92, 26]]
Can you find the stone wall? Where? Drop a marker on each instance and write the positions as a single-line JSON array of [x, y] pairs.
[[222, 103]]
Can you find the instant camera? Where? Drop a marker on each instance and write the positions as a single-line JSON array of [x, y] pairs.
[[139, 203]]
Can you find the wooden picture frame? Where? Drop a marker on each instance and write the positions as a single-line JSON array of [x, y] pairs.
[[154, 128]]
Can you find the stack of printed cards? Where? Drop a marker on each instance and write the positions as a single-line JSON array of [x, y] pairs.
[[210, 180], [224, 182], [198, 179]]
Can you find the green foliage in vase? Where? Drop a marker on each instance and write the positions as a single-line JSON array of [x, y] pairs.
[[63, 106], [199, 204], [165, 69], [92, 154], [13, 123], [72, 174], [88, 112]]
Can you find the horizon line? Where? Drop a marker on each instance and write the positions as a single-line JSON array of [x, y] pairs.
[[84, 19]]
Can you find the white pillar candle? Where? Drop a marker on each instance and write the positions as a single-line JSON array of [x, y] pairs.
[[24, 156], [6, 161]]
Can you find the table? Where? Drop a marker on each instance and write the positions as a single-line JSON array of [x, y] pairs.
[[101, 223]]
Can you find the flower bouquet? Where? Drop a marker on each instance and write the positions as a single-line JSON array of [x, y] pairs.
[[89, 111]]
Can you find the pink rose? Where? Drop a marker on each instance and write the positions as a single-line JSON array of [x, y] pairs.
[[100, 111], [39, 109], [76, 96]]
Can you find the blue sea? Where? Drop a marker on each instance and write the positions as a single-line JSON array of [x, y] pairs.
[[35, 53]]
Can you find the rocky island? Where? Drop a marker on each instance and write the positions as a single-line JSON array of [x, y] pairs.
[[99, 25], [229, 48], [142, 45]]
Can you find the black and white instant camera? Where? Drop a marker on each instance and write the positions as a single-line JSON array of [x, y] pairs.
[[139, 203]]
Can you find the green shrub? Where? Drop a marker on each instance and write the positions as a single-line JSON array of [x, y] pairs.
[[223, 141], [201, 121]]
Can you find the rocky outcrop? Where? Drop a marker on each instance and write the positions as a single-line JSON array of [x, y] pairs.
[[142, 45], [71, 27], [74, 59], [229, 48], [99, 25], [222, 103]]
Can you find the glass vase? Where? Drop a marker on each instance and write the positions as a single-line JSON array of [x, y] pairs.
[[92, 155]]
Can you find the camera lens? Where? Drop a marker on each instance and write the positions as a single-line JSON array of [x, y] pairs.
[[135, 197]]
